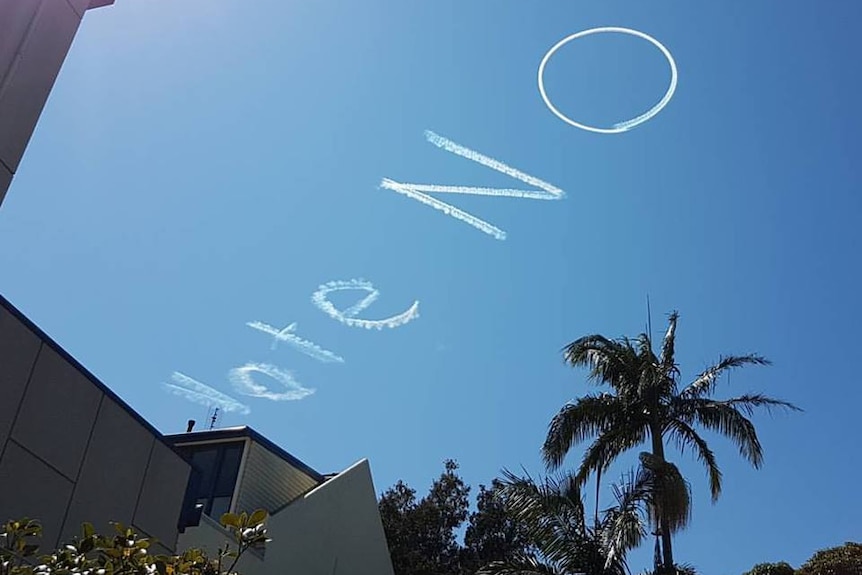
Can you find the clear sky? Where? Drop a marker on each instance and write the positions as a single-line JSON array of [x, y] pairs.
[[206, 163]]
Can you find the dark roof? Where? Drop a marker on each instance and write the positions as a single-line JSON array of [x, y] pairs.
[[6, 304], [242, 432]]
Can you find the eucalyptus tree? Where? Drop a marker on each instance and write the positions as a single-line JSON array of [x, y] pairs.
[[646, 404]]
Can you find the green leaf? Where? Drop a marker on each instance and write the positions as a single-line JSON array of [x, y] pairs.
[[230, 520], [88, 530], [257, 518]]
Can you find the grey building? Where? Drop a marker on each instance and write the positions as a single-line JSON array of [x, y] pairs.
[[35, 36], [318, 523], [72, 451]]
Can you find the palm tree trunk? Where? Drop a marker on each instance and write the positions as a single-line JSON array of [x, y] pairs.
[[666, 546], [598, 486]]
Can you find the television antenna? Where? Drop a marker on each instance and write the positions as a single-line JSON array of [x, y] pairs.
[[213, 418]]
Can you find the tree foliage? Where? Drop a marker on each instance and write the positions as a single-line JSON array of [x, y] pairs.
[[493, 533], [526, 527], [780, 568], [123, 553], [551, 512], [843, 560], [559, 539], [647, 405], [422, 534]]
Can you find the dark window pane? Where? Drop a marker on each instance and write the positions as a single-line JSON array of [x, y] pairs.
[[218, 467], [226, 480], [205, 461]]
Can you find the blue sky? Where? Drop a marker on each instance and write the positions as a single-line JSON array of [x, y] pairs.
[[205, 163]]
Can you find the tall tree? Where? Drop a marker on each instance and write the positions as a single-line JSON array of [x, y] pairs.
[[780, 568], [422, 534], [645, 404], [843, 560], [561, 542], [558, 540], [493, 532]]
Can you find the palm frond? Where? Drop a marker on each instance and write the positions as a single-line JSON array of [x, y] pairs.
[[651, 380], [726, 419], [631, 431], [670, 493], [704, 384], [624, 526], [524, 565], [552, 511], [588, 417], [686, 569], [750, 401], [644, 348], [686, 437], [610, 362], [590, 558]]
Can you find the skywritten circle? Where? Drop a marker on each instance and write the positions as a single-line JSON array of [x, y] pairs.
[[620, 126]]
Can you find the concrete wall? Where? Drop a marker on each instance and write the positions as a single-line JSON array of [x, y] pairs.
[[71, 451], [334, 529], [35, 36]]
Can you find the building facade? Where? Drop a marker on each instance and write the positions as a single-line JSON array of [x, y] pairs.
[[72, 451], [35, 36], [318, 524]]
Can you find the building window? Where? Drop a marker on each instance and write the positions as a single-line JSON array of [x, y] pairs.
[[218, 467]]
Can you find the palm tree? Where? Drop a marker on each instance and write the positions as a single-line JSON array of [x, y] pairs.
[[656, 491], [560, 542], [646, 404], [551, 512]]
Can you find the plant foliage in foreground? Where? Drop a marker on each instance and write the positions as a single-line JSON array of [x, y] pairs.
[[125, 552]]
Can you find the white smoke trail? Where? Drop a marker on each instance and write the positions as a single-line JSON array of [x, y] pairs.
[[419, 192], [193, 390], [372, 296], [242, 380], [305, 346], [619, 127], [496, 165], [391, 322], [447, 209], [348, 316], [497, 192]]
